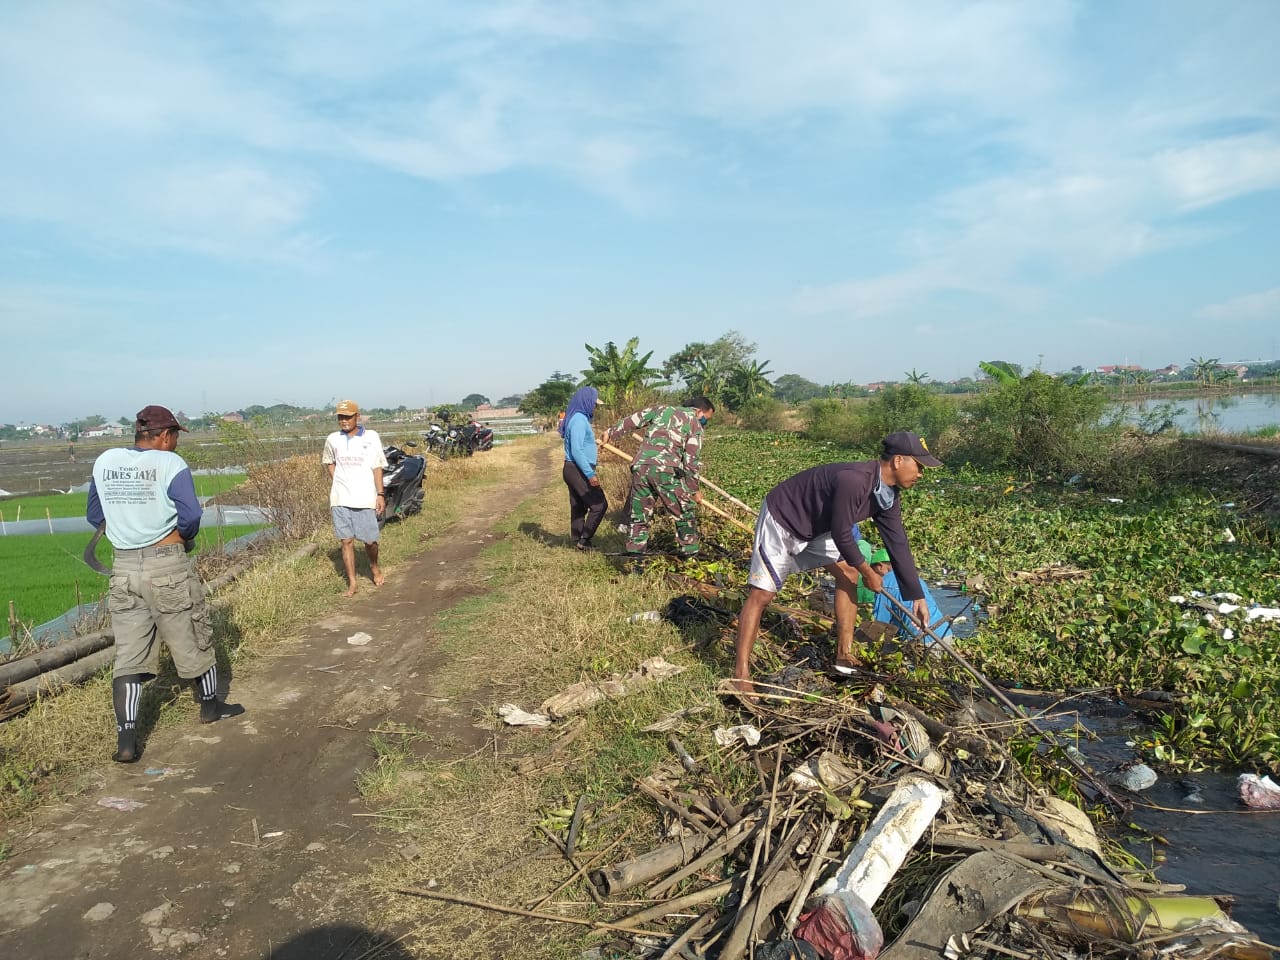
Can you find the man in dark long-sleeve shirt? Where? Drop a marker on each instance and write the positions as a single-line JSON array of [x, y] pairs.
[[808, 521]]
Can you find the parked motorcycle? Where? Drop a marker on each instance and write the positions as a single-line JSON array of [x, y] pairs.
[[402, 482], [476, 437], [444, 441]]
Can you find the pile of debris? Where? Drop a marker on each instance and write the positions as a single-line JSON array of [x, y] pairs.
[[879, 829], [868, 808]]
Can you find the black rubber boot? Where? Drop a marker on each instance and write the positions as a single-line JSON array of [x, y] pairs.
[[210, 710], [126, 694]]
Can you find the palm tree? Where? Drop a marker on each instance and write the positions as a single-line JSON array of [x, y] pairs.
[[619, 374], [917, 378], [1203, 369]]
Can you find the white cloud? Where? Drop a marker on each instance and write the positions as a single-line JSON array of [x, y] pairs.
[[1252, 306], [1210, 173]]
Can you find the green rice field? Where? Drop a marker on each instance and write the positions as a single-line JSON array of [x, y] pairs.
[[42, 573], [33, 507]]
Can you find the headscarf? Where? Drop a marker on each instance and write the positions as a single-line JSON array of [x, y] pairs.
[[584, 401]]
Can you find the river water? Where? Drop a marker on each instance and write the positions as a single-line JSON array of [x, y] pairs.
[[1214, 413]]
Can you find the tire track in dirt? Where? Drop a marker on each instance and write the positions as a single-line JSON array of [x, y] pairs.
[[249, 837]]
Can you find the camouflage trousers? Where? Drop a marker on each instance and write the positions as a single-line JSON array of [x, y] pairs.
[[649, 488]]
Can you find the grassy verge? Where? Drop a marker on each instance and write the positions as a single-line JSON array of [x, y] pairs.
[[34, 506], [550, 617], [44, 751]]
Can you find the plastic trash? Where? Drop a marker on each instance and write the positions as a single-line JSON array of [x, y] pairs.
[[785, 950], [1261, 793], [123, 804], [725, 736], [1135, 778], [644, 616], [840, 927], [360, 639], [516, 717]]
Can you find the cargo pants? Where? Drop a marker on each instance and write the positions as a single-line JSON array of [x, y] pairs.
[[651, 487]]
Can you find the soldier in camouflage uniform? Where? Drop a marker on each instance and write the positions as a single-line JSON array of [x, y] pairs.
[[665, 470]]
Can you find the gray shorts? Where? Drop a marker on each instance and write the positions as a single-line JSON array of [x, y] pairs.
[[776, 553], [351, 523], [155, 597]]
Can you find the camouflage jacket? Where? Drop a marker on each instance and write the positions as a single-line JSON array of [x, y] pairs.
[[672, 441]]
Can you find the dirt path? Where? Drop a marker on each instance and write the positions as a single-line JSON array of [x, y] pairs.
[[251, 840]]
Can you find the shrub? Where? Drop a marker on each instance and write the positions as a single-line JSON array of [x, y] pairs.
[[1038, 423], [763, 413], [908, 406], [833, 421]]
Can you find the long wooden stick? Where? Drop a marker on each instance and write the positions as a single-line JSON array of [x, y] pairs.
[[530, 914], [1115, 801], [724, 493], [710, 506]]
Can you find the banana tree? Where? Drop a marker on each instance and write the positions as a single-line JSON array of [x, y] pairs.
[[619, 374]]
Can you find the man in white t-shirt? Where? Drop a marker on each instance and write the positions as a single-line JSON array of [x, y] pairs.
[[354, 456]]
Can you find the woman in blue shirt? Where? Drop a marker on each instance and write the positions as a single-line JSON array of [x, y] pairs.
[[587, 502]]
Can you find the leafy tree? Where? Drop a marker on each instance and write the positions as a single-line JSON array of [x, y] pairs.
[[548, 398], [472, 400], [707, 376], [746, 382], [1001, 371], [619, 375], [793, 388], [560, 377], [723, 353], [511, 400]]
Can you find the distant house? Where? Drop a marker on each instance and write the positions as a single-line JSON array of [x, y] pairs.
[[106, 430], [234, 417], [1111, 368], [487, 411]]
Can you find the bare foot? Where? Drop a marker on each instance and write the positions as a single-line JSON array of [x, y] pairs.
[[351, 591], [742, 685], [378, 578]]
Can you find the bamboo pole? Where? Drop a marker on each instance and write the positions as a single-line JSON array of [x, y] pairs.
[[710, 506], [999, 694], [48, 518], [530, 914]]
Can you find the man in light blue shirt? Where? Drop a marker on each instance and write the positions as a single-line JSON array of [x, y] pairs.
[[145, 498]]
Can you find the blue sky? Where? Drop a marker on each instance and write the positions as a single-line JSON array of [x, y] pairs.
[[216, 205]]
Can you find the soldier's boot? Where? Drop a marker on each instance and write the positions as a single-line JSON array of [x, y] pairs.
[[207, 692], [126, 695]]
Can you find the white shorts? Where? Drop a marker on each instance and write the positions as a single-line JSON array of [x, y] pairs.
[[777, 553]]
